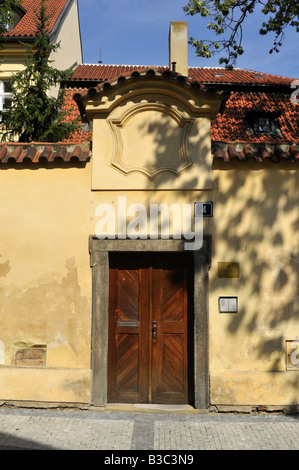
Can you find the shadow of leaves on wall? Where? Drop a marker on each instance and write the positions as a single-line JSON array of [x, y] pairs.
[[255, 223]]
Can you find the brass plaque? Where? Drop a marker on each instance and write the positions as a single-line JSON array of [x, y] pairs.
[[228, 270]]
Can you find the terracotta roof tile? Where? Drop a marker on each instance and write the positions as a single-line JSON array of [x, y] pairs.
[[230, 126], [236, 76], [106, 72], [230, 135], [127, 73], [257, 153], [41, 153], [79, 136], [145, 73], [200, 74], [26, 27]]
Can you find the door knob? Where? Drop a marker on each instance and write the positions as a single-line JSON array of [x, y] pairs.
[[154, 330]]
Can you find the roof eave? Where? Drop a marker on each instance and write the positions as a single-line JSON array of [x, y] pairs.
[[52, 34], [60, 19], [125, 81]]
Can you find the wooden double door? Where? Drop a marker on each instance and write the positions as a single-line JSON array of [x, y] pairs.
[[150, 338]]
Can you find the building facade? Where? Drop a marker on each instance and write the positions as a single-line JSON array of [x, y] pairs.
[[64, 29], [153, 258]]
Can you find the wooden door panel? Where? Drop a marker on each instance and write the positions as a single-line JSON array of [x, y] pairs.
[[147, 288], [172, 290], [173, 378], [170, 362], [127, 354], [127, 362], [128, 295]]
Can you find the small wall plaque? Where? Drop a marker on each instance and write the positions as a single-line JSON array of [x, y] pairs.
[[31, 357], [228, 270], [203, 209], [228, 304], [292, 352]]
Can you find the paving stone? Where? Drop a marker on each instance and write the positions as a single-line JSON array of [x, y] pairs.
[[145, 430]]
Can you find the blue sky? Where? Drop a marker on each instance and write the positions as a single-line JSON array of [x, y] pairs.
[[135, 32]]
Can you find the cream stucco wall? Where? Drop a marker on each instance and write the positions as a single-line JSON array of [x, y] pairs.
[[13, 60], [255, 224], [69, 54], [47, 216], [45, 290], [151, 134], [68, 35]]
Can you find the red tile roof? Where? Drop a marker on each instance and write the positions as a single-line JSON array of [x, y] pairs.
[[122, 74], [230, 137], [117, 74], [200, 74], [26, 27], [236, 76], [106, 72], [257, 153], [70, 105], [231, 126], [146, 72], [41, 153]]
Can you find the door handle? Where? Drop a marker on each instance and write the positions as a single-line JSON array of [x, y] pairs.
[[154, 330]]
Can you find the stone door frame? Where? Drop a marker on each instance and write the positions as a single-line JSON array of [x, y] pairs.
[[99, 252]]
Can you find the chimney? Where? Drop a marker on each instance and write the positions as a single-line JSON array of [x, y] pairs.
[[178, 47]]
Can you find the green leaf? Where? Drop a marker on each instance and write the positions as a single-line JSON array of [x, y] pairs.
[[228, 17]]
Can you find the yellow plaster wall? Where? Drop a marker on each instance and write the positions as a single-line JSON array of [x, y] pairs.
[[69, 54], [48, 214], [68, 35], [13, 60], [255, 223], [143, 147], [45, 385], [151, 134], [178, 47], [45, 282]]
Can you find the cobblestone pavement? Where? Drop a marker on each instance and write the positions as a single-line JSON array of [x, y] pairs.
[[121, 430]]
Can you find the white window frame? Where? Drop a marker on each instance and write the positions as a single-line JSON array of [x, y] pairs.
[[3, 95]]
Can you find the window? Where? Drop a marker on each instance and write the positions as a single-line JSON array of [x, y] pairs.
[[5, 95], [19, 12], [258, 76], [262, 123]]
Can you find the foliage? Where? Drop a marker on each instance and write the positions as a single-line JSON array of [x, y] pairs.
[[6, 13], [34, 115], [227, 17]]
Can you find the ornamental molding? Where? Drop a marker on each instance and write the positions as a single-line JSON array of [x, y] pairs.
[[118, 126]]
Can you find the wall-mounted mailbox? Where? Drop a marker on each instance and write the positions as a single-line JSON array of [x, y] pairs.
[[228, 304]]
